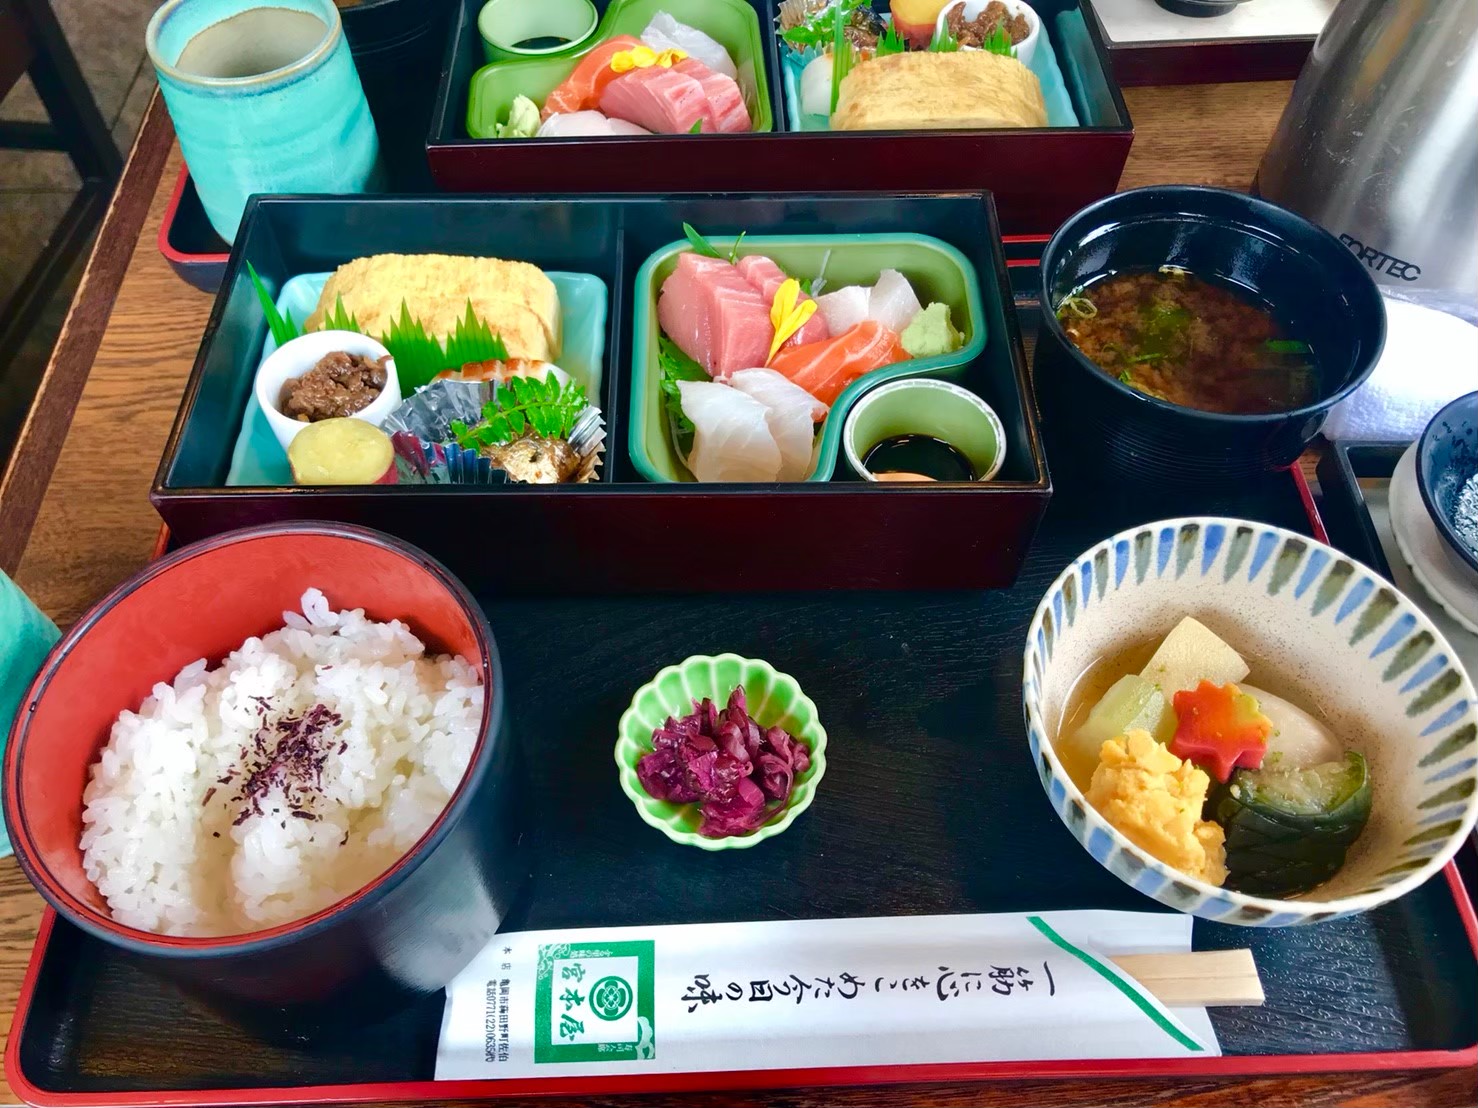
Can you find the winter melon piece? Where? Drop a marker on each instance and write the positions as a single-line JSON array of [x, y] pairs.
[[1191, 654]]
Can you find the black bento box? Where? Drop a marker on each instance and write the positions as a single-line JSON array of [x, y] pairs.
[[620, 533], [1038, 176]]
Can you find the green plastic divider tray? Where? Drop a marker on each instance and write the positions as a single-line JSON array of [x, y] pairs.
[[732, 23], [937, 271]]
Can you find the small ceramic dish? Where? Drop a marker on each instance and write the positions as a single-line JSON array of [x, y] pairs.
[[1374, 662], [775, 700], [1446, 579], [922, 406], [564, 27], [1024, 50], [297, 357], [1446, 461]]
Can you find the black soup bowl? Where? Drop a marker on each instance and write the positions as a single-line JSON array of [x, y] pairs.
[[1302, 274]]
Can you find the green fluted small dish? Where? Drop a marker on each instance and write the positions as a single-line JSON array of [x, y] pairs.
[[774, 699]]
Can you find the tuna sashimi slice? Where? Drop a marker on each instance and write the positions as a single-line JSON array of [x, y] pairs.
[[725, 98], [792, 414], [664, 101], [582, 89], [731, 435], [713, 315], [824, 369], [765, 275]]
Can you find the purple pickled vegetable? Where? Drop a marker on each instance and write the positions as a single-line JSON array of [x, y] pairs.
[[722, 759]]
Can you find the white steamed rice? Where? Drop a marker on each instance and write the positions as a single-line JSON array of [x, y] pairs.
[[169, 860]]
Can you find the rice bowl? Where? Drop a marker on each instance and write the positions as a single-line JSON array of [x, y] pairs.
[[262, 790]]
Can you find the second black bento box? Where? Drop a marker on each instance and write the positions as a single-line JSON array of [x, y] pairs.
[[1038, 176], [620, 532]]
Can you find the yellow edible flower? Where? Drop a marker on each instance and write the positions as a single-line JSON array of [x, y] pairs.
[[644, 57], [1154, 799], [788, 313]]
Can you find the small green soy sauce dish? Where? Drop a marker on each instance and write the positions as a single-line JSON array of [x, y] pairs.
[[924, 429], [774, 699]]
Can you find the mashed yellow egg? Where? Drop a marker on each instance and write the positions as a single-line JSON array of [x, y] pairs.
[[1155, 800]]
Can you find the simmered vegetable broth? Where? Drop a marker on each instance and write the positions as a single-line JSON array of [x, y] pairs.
[[1174, 336]]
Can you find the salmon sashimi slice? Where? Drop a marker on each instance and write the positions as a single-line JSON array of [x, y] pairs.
[[765, 275], [581, 90], [824, 369]]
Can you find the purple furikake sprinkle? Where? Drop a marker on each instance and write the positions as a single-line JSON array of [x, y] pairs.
[[287, 753]]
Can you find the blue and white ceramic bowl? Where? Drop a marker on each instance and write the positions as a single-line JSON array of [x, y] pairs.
[[1375, 665]]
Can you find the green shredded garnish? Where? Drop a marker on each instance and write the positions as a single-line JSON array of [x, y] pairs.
[[677, 366], [283, 329], [702, 246], [473, 341], [890, 42], [999, 42], [341, 320], [699, 244], [842, 60], [1286, 346], [1125, 377], [523, 405], [943, 42]]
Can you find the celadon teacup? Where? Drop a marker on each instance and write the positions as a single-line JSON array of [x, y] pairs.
[[270, 113]]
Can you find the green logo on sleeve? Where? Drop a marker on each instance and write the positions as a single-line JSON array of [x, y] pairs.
[[594, 1002]]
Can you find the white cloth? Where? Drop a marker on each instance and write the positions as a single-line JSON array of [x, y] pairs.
[[1430, 358]]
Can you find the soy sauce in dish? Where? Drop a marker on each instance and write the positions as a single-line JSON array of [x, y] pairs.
[[917, 458], [1174, 336]]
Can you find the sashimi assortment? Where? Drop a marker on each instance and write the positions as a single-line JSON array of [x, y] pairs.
[[673, 80], [752, 362]]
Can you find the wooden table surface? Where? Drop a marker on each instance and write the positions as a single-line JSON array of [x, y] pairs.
[[99, 435]]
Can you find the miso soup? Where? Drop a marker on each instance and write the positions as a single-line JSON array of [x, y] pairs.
[[1187, 341]]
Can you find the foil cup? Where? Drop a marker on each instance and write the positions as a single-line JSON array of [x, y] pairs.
[[426, 452]]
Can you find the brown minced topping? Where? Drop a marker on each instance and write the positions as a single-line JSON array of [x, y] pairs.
[[339, 385], [975, 31]]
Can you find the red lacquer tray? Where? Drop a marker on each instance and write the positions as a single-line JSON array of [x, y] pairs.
[[1393, 989]]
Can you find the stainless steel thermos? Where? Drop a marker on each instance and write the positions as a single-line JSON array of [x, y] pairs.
[[1379, 143]]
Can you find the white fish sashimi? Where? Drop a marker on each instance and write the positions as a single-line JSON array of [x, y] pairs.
[[843, 309], [572, 124], [666, 33], [893, 302], [791, 413], [816, 86], [731, 434]]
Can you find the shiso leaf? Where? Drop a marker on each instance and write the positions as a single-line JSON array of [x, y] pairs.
[[677, 366]]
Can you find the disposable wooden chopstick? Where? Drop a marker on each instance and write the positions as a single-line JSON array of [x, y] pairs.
[[1204, 978]]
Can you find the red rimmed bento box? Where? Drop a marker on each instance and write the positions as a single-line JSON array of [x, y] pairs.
[[1088, 126], [223, 469], [921, 694]]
